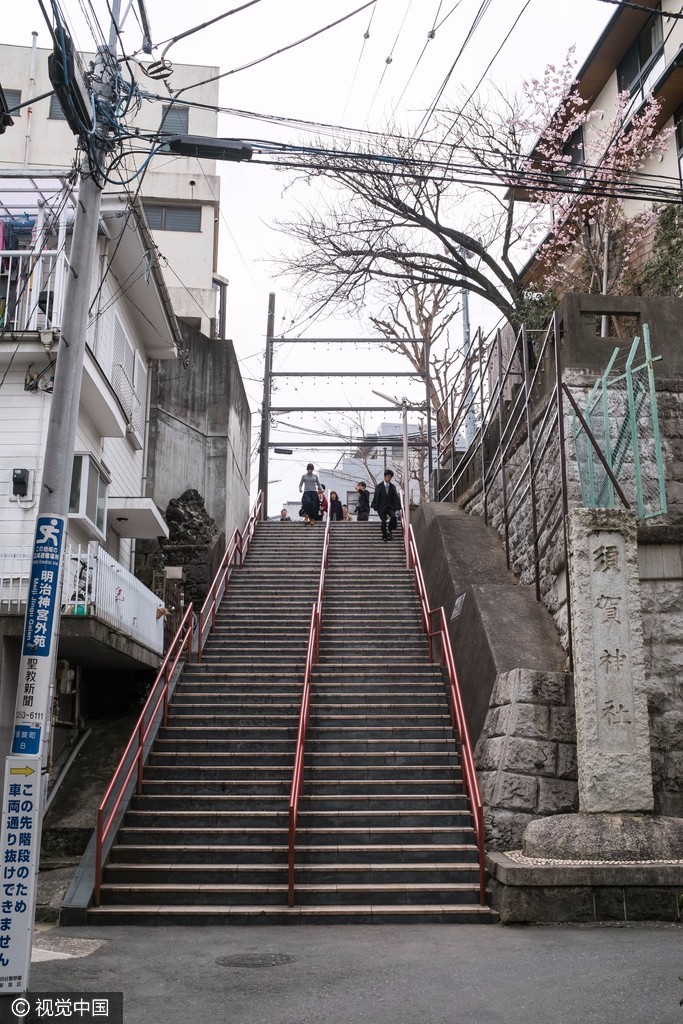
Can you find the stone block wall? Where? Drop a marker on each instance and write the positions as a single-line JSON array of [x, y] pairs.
[[661, 594], [526, 754], [661, 578], [520, 528]]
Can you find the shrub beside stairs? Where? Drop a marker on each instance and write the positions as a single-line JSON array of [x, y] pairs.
[[384, 831]]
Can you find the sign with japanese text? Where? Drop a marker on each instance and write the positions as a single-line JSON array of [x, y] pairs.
[[19, 854], [41, 626], [613, 675]]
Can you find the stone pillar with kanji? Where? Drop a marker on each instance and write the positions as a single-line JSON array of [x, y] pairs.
[[613, 739]]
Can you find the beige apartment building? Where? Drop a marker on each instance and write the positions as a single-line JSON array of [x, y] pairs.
[[181, 195]]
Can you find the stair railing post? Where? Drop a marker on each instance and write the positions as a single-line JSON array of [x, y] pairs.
[[189, 642], [141, 747], [98, 855], [167, 681]]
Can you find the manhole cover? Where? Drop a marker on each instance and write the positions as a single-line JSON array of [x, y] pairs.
[[256, 960]]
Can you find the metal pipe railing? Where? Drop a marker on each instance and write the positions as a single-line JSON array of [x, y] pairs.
[[299, 757], [155, 711], [458, 720], [132, 759]]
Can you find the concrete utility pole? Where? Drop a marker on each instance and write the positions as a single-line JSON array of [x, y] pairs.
[[265, 406], [406, 467], [25, 779]]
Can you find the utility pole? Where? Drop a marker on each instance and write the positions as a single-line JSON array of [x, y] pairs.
[[467, 346], [25, 780], [406, 469], [265, 406], [427, 348]]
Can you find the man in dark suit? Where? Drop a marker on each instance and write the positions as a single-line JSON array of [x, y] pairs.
[[386, 503]]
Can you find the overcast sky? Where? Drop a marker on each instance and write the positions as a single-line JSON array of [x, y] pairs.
[[338, 78]]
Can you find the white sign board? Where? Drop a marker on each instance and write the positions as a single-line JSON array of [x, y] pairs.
[[19, 857]]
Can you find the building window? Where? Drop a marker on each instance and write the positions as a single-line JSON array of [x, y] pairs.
[[55, 113], [129, 378], [88, 493], [174, 120], [574, 149], [643, 63], [13, 99], [174, 218]]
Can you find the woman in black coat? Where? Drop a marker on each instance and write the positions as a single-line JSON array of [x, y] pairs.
[[335, 511]]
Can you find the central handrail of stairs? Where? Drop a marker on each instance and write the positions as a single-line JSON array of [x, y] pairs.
[[458, 720], [311, 658], [155, 711]]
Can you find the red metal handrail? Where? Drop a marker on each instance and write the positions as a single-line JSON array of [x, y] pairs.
[[237, 548], [159, 694], [298, 772], [458, 720]]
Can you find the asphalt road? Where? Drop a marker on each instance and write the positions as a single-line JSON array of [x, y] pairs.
[[431, 974]]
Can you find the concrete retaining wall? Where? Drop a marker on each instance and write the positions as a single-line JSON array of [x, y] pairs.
[[200, 427]]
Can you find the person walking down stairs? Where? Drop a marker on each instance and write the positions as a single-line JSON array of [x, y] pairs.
[[387, 503], [310, 503]]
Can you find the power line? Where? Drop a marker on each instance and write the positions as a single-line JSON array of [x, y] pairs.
[[484, 6], [646, 10], [366, 36], [389, 59], [205, 24], [276, 53], [493, 59]]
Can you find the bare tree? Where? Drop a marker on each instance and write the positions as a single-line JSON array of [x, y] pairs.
[[423, 312], [368, 453], [465, 208]]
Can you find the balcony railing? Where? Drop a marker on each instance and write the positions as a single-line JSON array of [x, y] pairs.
[[94, 584], [31, 289]]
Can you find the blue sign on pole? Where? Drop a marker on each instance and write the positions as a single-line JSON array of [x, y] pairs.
[[40, 631], [43, 586]]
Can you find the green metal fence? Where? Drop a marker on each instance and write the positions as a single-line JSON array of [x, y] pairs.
[[621, 413]]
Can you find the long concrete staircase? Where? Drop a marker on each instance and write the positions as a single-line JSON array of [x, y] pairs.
[[385, 834], [384, 831], [207, 838]]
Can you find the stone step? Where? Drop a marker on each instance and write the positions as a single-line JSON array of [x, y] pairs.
[[198, 894], [308, 819], [377, 913], [201, 786], [204, 782], [325, 839], [363, 853], [365, 874], [195, 767], [230, 713], [372, 759], [223, 803]]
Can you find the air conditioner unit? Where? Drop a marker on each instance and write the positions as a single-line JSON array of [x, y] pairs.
[[133, 436]]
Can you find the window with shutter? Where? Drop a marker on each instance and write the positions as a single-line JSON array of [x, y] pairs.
[[174, 120], [56, 113], [173, 218], [13, 99]]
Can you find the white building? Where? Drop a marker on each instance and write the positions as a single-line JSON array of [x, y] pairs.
[[199, 411], [181, 195], [380, 450], [109, 620]]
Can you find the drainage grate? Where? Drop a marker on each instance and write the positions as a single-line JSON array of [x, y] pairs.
[[256, 960]]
